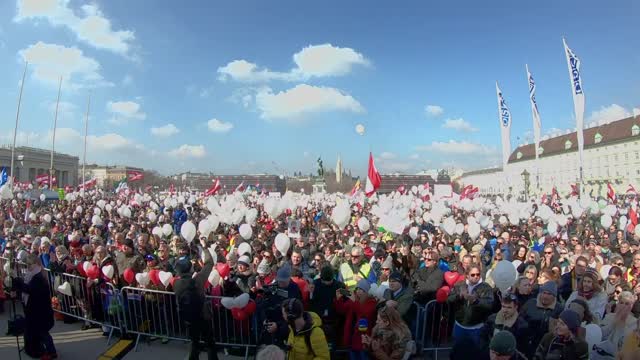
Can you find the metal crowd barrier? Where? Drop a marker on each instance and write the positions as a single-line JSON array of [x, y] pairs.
[[90, 301], [16, 265], [231, 332], [433, 327]]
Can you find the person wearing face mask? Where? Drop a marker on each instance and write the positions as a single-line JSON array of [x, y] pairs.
[[562, 342], [619, 324]]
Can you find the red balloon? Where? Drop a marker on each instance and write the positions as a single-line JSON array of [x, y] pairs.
[[239, 314], [80, 269], [223, 269], [442, 295], [93, 272], [451, 277], [129, 276], [250, 308], [154, 276]]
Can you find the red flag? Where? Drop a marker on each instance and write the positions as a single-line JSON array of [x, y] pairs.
[[465, 191], [374, 180], [631, 190], [633, 220], [554, 196], [214, 188], [134, 175], [402, 189], [172, 188], [544, 199], [89, 184], [574, 190], [239, 187], [427, 187], [147, 188], [43, 180], [611, 193]]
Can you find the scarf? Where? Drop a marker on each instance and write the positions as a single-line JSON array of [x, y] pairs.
[[27, 279], [586, 294]]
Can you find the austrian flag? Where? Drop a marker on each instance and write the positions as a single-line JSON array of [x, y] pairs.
[[134, 175], [373, 178]]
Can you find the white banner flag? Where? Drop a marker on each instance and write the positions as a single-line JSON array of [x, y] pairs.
[[573, 64], [537, 125], [505, 127]]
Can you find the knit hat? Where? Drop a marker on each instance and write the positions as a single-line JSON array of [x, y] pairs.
[[592, 273], [387, 263], [183, 266], [571, 319], [264, 268], [244, 260], [397, 276], [503, 343], [364, 285], [128, 243], [283, 274], [326, 273], [550, 287]]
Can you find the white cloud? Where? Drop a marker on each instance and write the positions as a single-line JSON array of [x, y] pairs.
[[610, 113], [387, 155], [48, 62], [219, 126], [306, 154], [165, 131], [458, 148], [458, 125], [414, 156], [312, 61], [636, 112], [123, 111], [392, 166], [91, 26], [434, 110], [188, 151], [65, 109], [127, 80], [304, 99]]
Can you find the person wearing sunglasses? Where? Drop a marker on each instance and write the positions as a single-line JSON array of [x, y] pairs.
[[473, 299], [428, 279], [613, 280], [356, 269], [507, 319]]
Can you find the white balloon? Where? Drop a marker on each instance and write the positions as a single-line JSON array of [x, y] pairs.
[[473, 230], [241, 301], [449, 225], [504, 275], [79, 209], [413, 233], [188, 231], [363, 224], [101, 203], [244, 248], [96, 220], [167, 229], [459, 228], [606, 220], [165, 278], [245, 231], [214, 277], [47, 218], [622, 222], [65, 289], [593, 335], [636, 231], [97, 211], [142, 278], [604, 271], [282, 243], [360, 129], [516, 263], [42, 197], [108, 271], [152, 217], [157, 231], [32, 217], [228, 302], [86, 266]]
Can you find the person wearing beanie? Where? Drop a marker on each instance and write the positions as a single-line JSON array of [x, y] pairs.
[[359, 311], [590, 290], [539, 312], [503, 346], [265, 275], [321, 301], [127, 258], [400, 297], [562, 342], [244, 276]]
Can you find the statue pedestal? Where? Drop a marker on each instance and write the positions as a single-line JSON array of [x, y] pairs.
[[319, 186]]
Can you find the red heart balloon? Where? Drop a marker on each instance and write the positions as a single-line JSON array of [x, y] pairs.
[[451, 277], [129, 276], [154, 276], [239, 314], [93, 272], [250, 308], [80, 269], [223, 269]]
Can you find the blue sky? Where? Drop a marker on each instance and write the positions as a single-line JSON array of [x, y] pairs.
[[232, 87]]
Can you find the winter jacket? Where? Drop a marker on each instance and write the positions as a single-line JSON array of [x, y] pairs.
[[470, 314], [568, 283], [537, 317], [323, 296], [298, 348], [552, 347], [516, 325], [183, 283], [427, 281], [353, 312], [134, 261], [38, 311], [597, 304], [405, 303], [617, 334]]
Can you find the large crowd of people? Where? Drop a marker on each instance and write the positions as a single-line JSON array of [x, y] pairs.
[[326, 278]]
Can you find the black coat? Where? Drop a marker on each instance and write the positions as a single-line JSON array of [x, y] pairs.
[[184, 283], [38, 311], [426, 282]]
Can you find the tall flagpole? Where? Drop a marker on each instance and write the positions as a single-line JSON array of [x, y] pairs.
[[53, 141], [84, 156], [15, 129]]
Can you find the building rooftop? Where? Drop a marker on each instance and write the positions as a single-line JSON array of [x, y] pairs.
[[25, 150], [482, 171], [613, 132]]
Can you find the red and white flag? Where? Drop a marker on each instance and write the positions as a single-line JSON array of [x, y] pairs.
[[544, 199], [43, 180], [611, 193], [172, 188], [134, 175], [631, 190], [239, 187], [402, 189], [465, 191], [373, 178], [633, 219], [554, 196], [89, 184], [427, 187], [355, 188], [214, 188], [574, 190]]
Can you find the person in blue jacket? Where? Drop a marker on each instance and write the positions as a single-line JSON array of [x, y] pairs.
[[179, 217]]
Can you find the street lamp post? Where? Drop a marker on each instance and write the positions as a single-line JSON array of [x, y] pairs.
[[525, 177]]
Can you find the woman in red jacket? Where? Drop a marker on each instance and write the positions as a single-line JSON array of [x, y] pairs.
[[360, 315]]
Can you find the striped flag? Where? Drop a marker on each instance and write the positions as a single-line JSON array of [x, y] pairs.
[[122, 186], [573, 64], [631, 190], [239, 187], [374, 180], [214, 188], [611, 193], [537, 125], [355, 188], [134, 175], [505, 126]]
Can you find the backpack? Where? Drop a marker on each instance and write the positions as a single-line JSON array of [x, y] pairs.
[[307, 339], [190, 302]]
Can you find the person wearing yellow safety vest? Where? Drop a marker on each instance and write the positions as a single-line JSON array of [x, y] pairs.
[[358, 268]]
